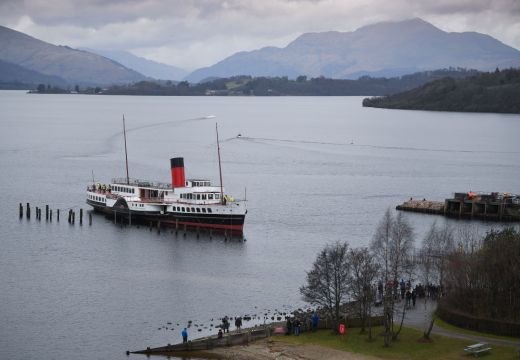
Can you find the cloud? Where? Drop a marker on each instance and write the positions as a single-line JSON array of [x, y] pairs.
[[195, 33]]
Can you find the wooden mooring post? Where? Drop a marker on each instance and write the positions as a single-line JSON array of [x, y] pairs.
[[70, 216], [58, 215], [46, 212], [176, 226], [81, 216], [90, 218], [184, 231], [73, 217], [50, 215], [21, 210], [158, 227], [28, 211]]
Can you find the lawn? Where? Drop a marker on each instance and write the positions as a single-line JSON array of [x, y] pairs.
[[407, 346], [442, 324]]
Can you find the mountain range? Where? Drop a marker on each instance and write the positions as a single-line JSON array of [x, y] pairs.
[[385, 49], [69, 65], [382, 49], [144, 66]]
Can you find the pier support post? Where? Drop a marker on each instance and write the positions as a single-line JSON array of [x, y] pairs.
[[158, 227], [81, 216], [70, 216], [58, 215], [46, 212], [73, 217], [50, 215], [176, 226], [129, 217], [21, 210], [89, 218], [28, 211]]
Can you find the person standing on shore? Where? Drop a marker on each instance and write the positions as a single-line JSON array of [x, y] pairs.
[[238, 323], [184, 334]]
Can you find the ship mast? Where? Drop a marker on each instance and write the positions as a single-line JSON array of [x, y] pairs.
[[219, 168], [126, 153]]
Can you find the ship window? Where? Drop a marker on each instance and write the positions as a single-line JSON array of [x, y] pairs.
[[209, 210], [183, 209], [192, 209], [203, 210], [198, 196], [198, 210], [210, 196], [187, 209], [217, 196], [203, 196]]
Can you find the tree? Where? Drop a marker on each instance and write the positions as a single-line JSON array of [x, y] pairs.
[[328, 280], [364, 271], [393, 245]]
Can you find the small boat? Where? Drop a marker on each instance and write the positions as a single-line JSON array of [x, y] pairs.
[[183, 203]]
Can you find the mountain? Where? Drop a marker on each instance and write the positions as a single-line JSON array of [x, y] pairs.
[[13, 76], [382, 49], [144, 66], [498, 92], [75, 66]]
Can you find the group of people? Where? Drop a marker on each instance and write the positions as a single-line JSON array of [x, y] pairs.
[[404, 291], [293, 326]]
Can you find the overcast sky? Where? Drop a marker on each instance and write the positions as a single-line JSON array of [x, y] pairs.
[[191, 34]]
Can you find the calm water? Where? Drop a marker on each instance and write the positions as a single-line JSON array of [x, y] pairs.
[[94, 292]]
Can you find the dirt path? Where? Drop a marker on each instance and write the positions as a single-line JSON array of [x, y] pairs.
[[279, 350]]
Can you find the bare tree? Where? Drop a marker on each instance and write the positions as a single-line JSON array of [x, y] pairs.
[[364, 271], [328, 280], [393, 246], [427, 264]]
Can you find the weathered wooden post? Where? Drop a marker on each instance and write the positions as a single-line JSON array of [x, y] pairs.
[[90, 218], [151, 225], [28, 211], [81, 216], [210, 234], [50, 215], [115, 217], [70, 216], [21, 210], [198, 232], [58, 215], [158, 227], [184, 230], [46, 212], [176, 226], [129, 217]]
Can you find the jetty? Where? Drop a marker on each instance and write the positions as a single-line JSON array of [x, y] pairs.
[[471, 205]]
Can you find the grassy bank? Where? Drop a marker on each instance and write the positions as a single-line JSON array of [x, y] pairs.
[[408, 346], [442, 324]]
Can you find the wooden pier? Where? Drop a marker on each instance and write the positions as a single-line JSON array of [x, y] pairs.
[[493, 206]]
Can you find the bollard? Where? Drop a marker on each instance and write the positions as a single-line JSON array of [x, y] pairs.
[[50, 215], [58, 215], [89, 218], [46, 212], [21, 210], [81, 216], [28, 212]]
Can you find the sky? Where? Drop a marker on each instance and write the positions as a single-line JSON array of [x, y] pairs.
[[191, 34]]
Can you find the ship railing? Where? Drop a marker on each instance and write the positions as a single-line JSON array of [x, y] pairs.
[[142, 183]]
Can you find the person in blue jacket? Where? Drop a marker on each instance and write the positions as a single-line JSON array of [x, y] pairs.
[[314, 320], [184, 335]]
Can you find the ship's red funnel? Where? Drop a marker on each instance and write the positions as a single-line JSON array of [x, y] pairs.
[[178, 178]]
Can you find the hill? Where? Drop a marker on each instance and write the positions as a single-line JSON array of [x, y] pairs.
[[74, 66], [384, 49], [144, 66], [280, 86], [13, 76], [487, 92]]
